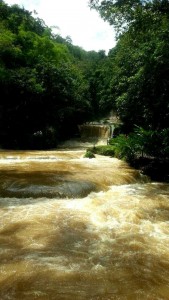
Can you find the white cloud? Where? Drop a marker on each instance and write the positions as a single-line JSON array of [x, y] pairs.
[[75, 19]]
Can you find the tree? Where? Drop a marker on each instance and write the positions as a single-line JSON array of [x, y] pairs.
[[140, 61], [123, 13], [43, 87]]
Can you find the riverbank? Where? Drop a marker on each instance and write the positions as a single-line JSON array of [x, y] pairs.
[[156, 168]]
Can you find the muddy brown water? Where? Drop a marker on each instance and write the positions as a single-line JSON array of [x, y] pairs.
[[75, 228]]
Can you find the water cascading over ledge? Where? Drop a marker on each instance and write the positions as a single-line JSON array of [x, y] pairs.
[[102, 131]]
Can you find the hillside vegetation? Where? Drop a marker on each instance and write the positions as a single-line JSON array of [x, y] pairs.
[[49, 86]]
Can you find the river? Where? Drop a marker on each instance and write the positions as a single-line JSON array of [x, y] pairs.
[[75, 228]]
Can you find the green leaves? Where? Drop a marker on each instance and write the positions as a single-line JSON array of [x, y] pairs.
[[141, 143], [41, 84], [119, 13]]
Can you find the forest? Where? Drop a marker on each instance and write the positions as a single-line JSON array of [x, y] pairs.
[[50, 86]]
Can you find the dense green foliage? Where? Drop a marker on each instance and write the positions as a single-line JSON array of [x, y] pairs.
[[139, 81], [140, 62], [44, 82], [49, 86]]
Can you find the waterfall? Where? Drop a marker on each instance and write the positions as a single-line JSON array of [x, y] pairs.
[[95, 130]]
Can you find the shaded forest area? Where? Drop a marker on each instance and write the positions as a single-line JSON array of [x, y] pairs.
[[50, 86]]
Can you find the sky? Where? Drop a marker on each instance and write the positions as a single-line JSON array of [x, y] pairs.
[[75, 19]]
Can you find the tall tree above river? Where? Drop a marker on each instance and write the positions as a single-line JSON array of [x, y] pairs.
[[139, 85], [43, 79]]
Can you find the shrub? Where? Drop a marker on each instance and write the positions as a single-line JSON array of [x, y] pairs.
[[103, 150], [89, 154]]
